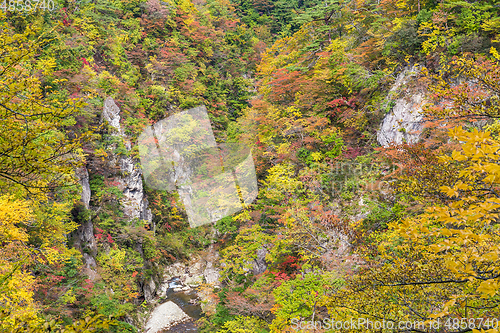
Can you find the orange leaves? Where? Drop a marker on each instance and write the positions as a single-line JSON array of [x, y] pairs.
[[471, 100], [284, 85]]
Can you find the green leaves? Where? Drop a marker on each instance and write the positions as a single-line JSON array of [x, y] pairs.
[[301, 298]]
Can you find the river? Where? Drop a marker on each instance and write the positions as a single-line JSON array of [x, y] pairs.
[[188, 302]]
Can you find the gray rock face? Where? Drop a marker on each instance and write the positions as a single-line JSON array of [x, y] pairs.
[[83, 176], [194, 281], [404, 122], [193, 275], [186, 276], [85, 232], [135, 203], [149, 290], [260, 265], [211, 274], [174, 270], [165, 316], [85, 235], [111, 113]]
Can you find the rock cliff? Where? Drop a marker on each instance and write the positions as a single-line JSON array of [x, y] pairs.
[[403, 123]]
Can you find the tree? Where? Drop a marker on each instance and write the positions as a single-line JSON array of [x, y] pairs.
[[37, 151], [442, 264], [38, 157], [16, 284]]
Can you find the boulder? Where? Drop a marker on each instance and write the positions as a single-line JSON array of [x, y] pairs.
[[193, 281], [165, 316], [175, 270], [196, 268], [162, 290]]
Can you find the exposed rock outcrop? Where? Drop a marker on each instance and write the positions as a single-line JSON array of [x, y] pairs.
[[404, 122], [134, 202], [211, 274], [260, 265], [84, 239], [191, 276], [149, 290], [187, 278], [83, 177], [111, 112]]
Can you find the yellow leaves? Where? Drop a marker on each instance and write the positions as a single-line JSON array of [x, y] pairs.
[[457, 156], [101, 153], [462, 186], [458, 133], [451, 192], [113, 260], [488, 288], [445, 310], [489, 206], [47, 65], [476, 137], [243, 216], [437, 36], [16, 294], [68, 297], [454, 191], [381, 249], [281, 183], [33, 147], [283, 148], [52, 256], [13, 214], [493, 171], [480, 151], [490, 256], [317, 156], [446, 232], [16, 285], [495, 53], [435, 248], [48, 230], [51, 227], [187, 6], [87, 26]]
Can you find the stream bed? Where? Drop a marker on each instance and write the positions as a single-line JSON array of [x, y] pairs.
[[188, 301]]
